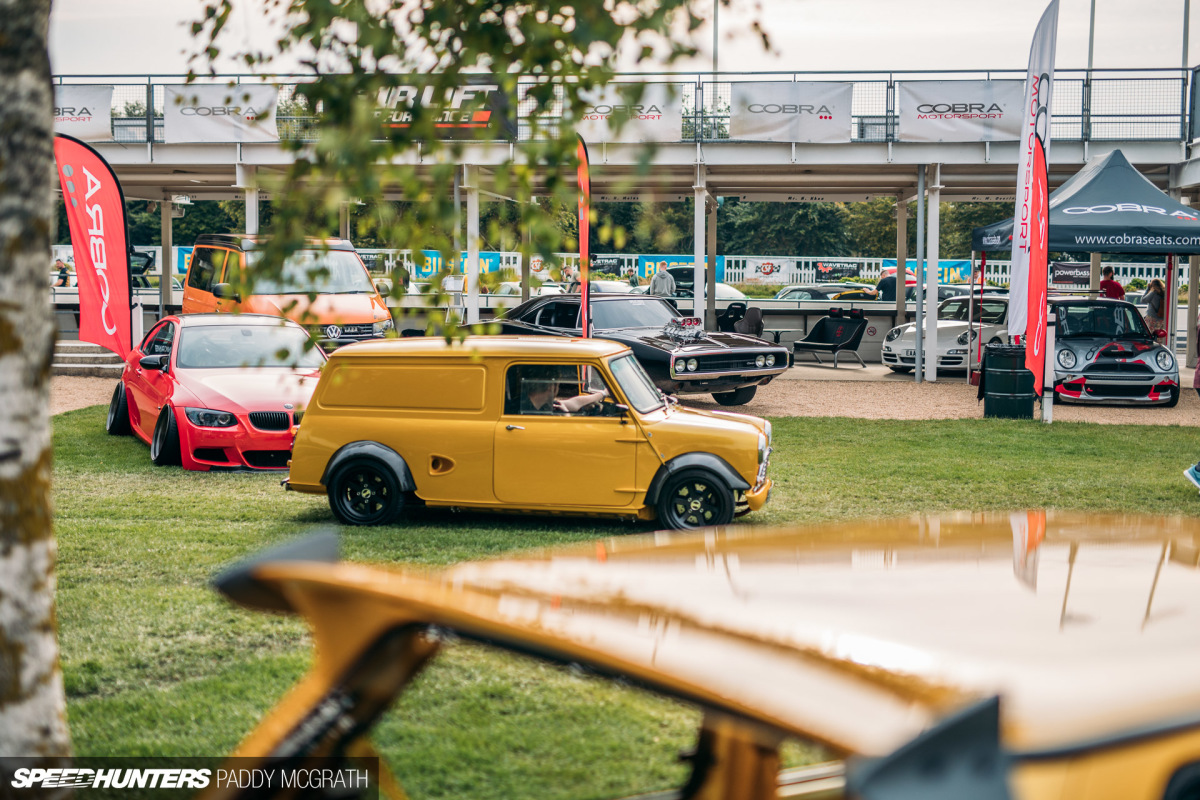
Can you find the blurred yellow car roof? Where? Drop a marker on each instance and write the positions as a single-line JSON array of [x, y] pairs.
[[859, 635]]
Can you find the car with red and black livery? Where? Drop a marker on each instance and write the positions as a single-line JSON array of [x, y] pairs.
[[1104, 353], [677, 353], [217, 391]]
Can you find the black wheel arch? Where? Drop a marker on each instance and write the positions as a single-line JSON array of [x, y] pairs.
[[714, 463], [380, 452]]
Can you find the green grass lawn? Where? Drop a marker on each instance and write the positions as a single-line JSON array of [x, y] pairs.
[[156, 664]]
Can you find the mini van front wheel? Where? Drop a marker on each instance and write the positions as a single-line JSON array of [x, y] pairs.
[[694, 498], [365, 491]]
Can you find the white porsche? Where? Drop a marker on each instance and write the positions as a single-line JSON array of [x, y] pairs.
[[957, 337]]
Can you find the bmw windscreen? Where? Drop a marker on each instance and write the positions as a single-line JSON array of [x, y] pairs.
[[315, 272], [235, 346]]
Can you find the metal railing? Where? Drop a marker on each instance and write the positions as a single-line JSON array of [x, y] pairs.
[[1100, 105]]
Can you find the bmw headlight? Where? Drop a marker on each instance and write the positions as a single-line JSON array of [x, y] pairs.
[[208, 418], [770, 361], [383, 326], [1164, 359], [760, 361], [1066, 358], [893, 334]]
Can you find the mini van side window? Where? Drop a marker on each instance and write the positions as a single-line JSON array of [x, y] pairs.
[[556, 390]]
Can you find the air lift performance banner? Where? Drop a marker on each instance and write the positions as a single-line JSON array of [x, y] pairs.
[[96, 216], [959, 111], [1031, 231], [240, 113], [585, 210], [810, 112]]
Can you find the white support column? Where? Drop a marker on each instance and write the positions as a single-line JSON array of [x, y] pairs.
[[931, 276], [472, 270], [1094, 282], [710, 285], [167, 268], [901, 257], [245, 179], [698, 238], [344, 221]]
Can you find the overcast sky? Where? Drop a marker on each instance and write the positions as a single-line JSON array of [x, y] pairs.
[[89, 37]]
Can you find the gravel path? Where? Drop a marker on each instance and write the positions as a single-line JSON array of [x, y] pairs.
[[886, 397]]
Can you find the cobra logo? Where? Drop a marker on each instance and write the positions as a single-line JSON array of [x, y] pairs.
[[333, 331], [96, 242]]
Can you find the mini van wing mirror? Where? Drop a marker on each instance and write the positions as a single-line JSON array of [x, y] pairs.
[[383, 287], [225, 291]]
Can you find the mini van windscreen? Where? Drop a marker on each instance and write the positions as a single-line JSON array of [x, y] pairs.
[[636, 384], [315, 272], [235, 346]]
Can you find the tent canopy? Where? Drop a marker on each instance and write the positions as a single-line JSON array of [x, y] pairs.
[[1108, 207]]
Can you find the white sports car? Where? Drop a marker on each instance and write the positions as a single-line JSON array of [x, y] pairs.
[[957, 339]]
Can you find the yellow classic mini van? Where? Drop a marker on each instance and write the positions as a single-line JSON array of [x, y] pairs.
[[325, 287], [520, 423]]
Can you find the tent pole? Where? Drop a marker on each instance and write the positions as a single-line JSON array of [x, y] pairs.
[[1192, 307], [902, 276]]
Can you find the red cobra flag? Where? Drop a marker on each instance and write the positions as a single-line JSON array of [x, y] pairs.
[[1027, 287], [99, 239], [585, 207]]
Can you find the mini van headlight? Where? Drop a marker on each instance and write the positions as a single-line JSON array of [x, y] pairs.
[[208, 418], [382, 327], [1066, 358], [1164, 359]]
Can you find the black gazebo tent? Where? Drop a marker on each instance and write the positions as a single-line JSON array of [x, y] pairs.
[[1108, 207]]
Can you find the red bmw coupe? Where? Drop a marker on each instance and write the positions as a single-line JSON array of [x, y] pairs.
[[217, 391]]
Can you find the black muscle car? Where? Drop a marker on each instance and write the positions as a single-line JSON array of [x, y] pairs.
[[680, 357]]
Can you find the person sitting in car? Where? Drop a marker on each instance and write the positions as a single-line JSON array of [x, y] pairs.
[[540, 388]]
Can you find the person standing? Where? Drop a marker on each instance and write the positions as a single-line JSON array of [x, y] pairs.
[[662, 284], [1109, 287], [1155, 299], [64, 273], [634, 281], [887, 288]]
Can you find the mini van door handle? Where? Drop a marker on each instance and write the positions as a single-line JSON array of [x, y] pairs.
[[513, 428]]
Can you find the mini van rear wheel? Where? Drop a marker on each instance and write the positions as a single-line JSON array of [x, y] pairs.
[[694, 498], [365, 491]]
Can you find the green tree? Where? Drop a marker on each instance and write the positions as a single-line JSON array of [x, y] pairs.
[[783, 229], [566, 49], [960, 219], [32, 707]]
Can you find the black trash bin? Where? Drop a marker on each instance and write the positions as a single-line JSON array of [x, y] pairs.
[[1007, 385]]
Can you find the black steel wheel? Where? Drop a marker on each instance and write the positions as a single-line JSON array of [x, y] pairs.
[[164, 444], [738, 397], [694, 498], [117, 423], [365, 491]]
